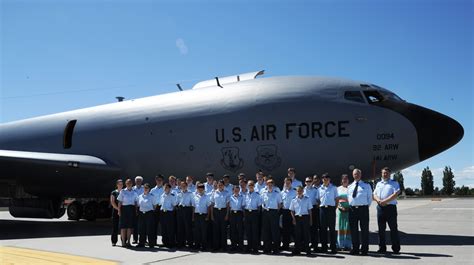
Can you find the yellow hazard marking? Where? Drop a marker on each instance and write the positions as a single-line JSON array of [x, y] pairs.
[[14, 255]]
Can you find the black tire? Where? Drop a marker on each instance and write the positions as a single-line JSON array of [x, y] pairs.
[[74, 211], [90, 211]]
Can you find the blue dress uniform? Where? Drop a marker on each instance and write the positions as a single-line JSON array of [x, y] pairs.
[[184, 214], [327, 198], [146, 219], [128, 199], [387, 214], [252, 214], [259, 187], [192, 188], [287, 195], [313, 194], [296, 183], [360, 197], [271, 201], [138, 191], [115, 219], [220, 201], [208, 187], [168, 219], [157, 191], [301, 208], [236, 220], [201, 205]]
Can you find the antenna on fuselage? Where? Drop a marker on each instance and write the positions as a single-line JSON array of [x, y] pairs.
[[179, 87], [120, 99], [217, 80]]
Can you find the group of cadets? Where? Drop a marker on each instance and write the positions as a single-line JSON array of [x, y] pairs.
[[197, 215]]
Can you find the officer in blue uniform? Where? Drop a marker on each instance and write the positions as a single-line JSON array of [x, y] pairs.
[[209, 185], [146, 217], [292, 174], [328, 201], [301, 214], [287, 195], [201, 213], [191, 185], [360, 197], [385, 194], [219, 216], [227, 185], [260, 183], [271, 204], [313, 194], [184, 214], [236, 219], [168, 204], [251, 218], [157, 191]]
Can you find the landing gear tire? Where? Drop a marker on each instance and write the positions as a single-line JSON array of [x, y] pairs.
[[90, 211], [74, 211]]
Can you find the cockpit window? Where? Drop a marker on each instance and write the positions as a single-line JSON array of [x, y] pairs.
[[373, 96], [354, 96]]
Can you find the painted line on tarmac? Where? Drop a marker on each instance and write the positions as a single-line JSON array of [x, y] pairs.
[[16, 255], [177, 257]]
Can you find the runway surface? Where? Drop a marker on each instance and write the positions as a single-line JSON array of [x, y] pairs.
[[432, 232]]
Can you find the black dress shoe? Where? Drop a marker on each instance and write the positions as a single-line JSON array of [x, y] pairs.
[[364, 253], [396, 252], [381, 251], [334, 251], [294, 253], [140, 246]]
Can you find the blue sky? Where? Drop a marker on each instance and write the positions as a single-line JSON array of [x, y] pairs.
[[64, 55]]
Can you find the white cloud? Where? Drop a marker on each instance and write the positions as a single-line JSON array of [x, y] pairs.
[[183, 49], [464, 176], [465, 173]]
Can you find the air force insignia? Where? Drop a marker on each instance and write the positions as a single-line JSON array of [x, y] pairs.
[[267, 157], [231, 159]]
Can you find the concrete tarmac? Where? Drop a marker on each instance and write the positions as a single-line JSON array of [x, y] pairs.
[[431, 232]]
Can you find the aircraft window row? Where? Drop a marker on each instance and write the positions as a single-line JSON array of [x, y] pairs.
[[354, 96]]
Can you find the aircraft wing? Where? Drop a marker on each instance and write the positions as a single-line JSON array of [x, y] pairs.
[[47, 174]]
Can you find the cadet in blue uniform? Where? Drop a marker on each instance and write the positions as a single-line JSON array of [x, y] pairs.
[[292, 174], [184, 215], [236, 219], [301, 213], [313, 194], [115, 208], [157, 191], [209, 185], [168, 204], [260, 183], [328, 202], [173, 181], [138, 188], [385, 194], [271, 204], [146, 217], [219, 216], [127, 210], [360, 198], [191, 185], [251, 216], [201, 211], [227, 185], [287, 195]]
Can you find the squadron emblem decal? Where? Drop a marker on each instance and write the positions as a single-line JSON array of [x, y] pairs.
[[231, 159], [267, 157]]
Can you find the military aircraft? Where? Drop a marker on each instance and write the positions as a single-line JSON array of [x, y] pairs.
[[224, 125]]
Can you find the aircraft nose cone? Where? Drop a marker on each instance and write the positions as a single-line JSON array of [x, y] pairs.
[[436, 132]]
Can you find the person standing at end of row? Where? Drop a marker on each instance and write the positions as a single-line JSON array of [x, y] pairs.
[[271, 204], [287, 195], [328, 198], [385, 194], [115, 209], [360, 198], [302, 220]]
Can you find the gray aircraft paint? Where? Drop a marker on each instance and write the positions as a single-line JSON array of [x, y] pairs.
[[175, 133]]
